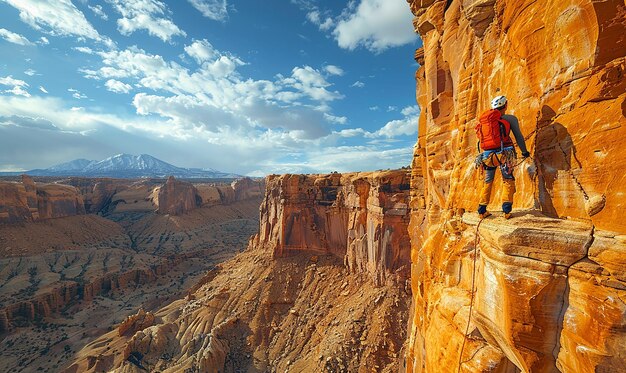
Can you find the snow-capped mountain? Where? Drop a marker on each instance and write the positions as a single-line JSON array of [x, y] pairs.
[[127, 166]]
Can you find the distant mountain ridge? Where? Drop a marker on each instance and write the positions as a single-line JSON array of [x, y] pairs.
[[127, 166]]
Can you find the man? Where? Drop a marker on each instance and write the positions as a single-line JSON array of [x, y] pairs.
[[493, 132]]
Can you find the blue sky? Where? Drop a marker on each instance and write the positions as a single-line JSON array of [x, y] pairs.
[[253, 87]]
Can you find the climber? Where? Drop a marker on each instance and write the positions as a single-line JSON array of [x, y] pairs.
[[493, 129]]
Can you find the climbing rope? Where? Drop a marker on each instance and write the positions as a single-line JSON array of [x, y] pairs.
[[469, 318], [521, 160]]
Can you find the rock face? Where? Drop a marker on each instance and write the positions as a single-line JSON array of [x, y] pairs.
[[544, 291], [26, 201], [359, 217], [322, 287], [177, 197]]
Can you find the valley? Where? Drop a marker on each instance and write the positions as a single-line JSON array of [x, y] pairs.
[[67, 279]]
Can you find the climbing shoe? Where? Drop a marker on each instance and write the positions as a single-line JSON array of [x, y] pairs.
[[508, 215], [484, 215]]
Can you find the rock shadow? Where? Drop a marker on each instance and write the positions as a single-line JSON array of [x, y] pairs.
[[554, 152]]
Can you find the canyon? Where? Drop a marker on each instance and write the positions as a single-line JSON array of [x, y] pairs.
[[368, 271], [78, 255], [544, 291], [323, 286]]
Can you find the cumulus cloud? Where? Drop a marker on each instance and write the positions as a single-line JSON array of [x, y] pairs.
[[117, 86], [376, 25], [333, 70], [214, 97], [312, 83], [373, 24], [14, 38], [401, 127], [17, 86], [43, 41], [201, 51], [149, 15], [56, 17], [213, 9]]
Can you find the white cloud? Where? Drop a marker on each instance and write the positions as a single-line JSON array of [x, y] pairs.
[[210, 142], [117, 86], [30, 72], [216, 93], [85, 50], [323, 22], [77, 94], [401, 127], [411, 111], [374, 108], [358, 84], [242, 117], [43, 41], [310, 82], [335, 119], [145, 15], [392, 108], [42, 89], [56, 17], [17, 86], [97, 10], [376, 25], [213, 9], [333, 70], [201, 51], [14, 38]]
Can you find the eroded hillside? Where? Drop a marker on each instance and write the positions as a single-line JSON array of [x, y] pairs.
[[72, 274], [546, 290]]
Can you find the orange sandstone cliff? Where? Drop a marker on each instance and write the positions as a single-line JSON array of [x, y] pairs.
[[546, 290], [322, 287]]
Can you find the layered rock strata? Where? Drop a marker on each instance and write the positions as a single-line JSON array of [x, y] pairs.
[[27, 201], [545, 290], [361, 218], [177, 197], [69, 292], [320, 288]]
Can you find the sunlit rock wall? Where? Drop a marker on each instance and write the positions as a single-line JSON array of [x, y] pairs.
[[549, 283], [360, 217]]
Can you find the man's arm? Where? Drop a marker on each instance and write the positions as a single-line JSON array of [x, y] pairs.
[[519, 138]]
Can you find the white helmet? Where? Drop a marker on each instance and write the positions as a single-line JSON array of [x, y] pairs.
[[498, 102]]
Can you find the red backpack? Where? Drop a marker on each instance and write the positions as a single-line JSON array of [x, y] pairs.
[[493, 131]]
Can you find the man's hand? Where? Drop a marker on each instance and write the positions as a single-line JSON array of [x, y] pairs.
[[525, 154]]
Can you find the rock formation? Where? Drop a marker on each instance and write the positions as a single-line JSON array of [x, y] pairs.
[[359, 217], [136, 322], [544, 291], [27, 201], [177, 197], [322, 287]]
